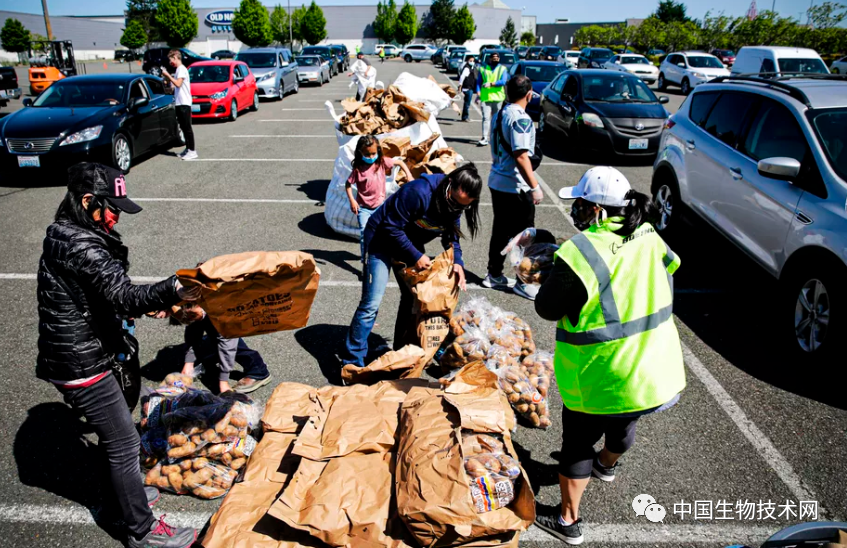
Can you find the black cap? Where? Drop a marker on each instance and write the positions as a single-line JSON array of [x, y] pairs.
[[103, 181]]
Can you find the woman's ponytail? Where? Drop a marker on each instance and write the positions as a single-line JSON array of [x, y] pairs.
[[640, 210]]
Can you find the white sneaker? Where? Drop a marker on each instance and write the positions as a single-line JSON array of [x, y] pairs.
[[190, 155], [498, 282], [482, 143], [527, 291], [182, 154]]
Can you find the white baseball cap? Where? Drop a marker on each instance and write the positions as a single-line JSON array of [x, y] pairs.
[[601, 185]]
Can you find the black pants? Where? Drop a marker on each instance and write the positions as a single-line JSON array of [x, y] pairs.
[[103, 406], [183, 118], [580, 431], [513, 213]]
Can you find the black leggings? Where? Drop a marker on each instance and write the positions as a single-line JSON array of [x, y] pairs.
[[580, 431], [183, 118]]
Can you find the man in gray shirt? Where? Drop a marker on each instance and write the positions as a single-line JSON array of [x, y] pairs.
[[514, 189]]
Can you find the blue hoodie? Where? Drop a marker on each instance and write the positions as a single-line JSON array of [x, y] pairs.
[[407, 221]]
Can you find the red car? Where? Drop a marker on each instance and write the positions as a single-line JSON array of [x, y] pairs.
[[726, 56], [220, 89]]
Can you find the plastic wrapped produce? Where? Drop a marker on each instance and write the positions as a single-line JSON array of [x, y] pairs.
[[471, 345], [524, 397], [474, 313], [492, 474], [197, 476], [531, 259]]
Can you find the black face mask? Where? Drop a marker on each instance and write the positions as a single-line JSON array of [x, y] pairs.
[[493, 63], [576, 213]]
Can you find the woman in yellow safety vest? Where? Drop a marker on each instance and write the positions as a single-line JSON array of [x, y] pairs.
[[618, 355]]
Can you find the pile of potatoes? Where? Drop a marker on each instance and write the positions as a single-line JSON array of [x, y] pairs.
[[536, 264], [191, 430], [199, 476], [527, 395], [491, 472]]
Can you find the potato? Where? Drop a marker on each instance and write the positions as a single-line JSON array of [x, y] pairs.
[[189, 480], [204, 475], [210, 435], [475, 468], [221, 425], [239, 421], [199, 463], [163, 483], [490, 462], [196, 439], [175, 478], [226, 458], [185, 465], [169, 469], [522, 408], [182, 451], [153, 475], [238, 463], [231, 431], [208, 492]]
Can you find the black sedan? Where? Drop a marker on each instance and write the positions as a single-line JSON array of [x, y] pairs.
[[541, 73], [224, 54], [107, 118], [604, 111]]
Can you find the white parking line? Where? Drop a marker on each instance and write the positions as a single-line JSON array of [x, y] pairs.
[[618, 533], [754, 435]]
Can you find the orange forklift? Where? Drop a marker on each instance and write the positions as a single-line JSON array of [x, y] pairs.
[[49, 61]]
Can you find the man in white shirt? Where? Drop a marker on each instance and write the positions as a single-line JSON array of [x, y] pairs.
[[363, 74], [182, 98], [467, 84]]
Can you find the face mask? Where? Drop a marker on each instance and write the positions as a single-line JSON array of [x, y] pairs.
[[109, 219], [470, 64], [577, 213], [369, 161], [493, 63]]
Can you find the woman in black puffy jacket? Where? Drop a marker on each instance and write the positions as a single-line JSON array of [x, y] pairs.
[[83, 294]]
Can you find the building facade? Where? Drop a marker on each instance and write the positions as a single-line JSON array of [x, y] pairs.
[[561, 34], [93, 37]]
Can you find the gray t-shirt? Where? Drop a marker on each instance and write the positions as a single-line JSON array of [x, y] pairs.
[[519, 133]]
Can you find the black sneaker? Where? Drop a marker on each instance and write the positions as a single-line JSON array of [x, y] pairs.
[[604, 473], [571, 534], [162, 535]]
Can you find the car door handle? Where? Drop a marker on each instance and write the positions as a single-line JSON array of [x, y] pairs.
[[736, 173], [689, 144]]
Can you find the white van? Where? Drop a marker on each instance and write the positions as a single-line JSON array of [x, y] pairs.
[[777, 59]]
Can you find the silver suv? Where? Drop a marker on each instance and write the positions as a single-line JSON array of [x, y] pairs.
[[765, 163]]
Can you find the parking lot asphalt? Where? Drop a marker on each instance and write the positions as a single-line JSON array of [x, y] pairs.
[[748, 428]]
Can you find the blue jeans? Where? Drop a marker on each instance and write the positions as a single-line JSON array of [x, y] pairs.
[[466, 107], [363, 216], [374, 282]]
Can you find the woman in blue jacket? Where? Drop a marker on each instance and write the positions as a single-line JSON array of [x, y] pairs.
[[395, 236]]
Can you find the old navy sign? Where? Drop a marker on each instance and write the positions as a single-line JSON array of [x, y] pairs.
[[220, 20]]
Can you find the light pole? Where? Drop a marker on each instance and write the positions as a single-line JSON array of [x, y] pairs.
[[47, 20], [290, 32]]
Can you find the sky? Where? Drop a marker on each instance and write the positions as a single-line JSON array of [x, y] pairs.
[[546, 11]]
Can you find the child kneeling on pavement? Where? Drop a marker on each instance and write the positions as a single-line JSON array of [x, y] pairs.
[[204, 345]]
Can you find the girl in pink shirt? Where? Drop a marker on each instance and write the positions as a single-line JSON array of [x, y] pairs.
[[370, 168]]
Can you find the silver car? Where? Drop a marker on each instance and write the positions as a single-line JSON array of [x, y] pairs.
[[456, 60], [274, 68], [765, 163], [312, 69]]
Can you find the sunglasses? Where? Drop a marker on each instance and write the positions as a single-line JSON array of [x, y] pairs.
[[452, 204]]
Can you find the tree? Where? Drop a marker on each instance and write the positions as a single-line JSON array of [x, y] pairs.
[[767, 28], [313, 24], [176, 21], [144, 11], [623, 34], [279, 25], [827, 15], [680, 36], [438, 22], [386, 19], [14, 36], [527, 38], [464, 26], [407, 24], [134, 36], [593, 35], [650, 33], [297, 23], [250, 24], [715, 31], [508, 35], [670, 11]]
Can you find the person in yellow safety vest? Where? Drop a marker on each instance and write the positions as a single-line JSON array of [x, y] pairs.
[[618, 355], [491, 92]]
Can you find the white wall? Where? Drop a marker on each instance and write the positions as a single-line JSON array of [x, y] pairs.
[[79, 54]]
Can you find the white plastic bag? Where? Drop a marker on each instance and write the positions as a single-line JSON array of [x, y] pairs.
[[424, 91]]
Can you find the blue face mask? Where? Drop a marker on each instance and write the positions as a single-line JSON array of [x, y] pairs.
[[369, 160]]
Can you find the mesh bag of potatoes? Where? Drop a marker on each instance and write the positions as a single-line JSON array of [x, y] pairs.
[[208, 430], [198, 476], [472, 345], [524, 395], [492, 473]]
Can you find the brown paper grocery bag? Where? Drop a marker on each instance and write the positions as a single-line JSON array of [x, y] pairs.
[[433, 490], [289, 407], [256, 292], [395, 146], [432, 331], [391, 365], [436, 289]]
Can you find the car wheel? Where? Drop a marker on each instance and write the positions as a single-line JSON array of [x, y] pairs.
[[661, 82], [296, 86], [121, 152], [685, 86], [812, 312], [408, 58], [280, 92], [233, 111], [666, 198], [255, 105]]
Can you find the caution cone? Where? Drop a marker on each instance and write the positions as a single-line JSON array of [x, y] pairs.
[[105, 66]]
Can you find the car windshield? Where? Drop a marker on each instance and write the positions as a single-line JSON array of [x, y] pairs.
[[831, 129], [600, 54], [505, 58], [457, 54], [572, 54], [551, 51], [545, 73], [258, 60], [704, 61], [726, 53], [78, 94], [312, 61], [634, 60], [323, 52], [208, 74], [616, 89], [814, 66]]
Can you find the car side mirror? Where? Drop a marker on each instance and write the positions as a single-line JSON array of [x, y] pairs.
[[238, 79], [681, 65], [27, 102], [284, 64], [784, 169], [138, 102], [663, 99], [617, 62]]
